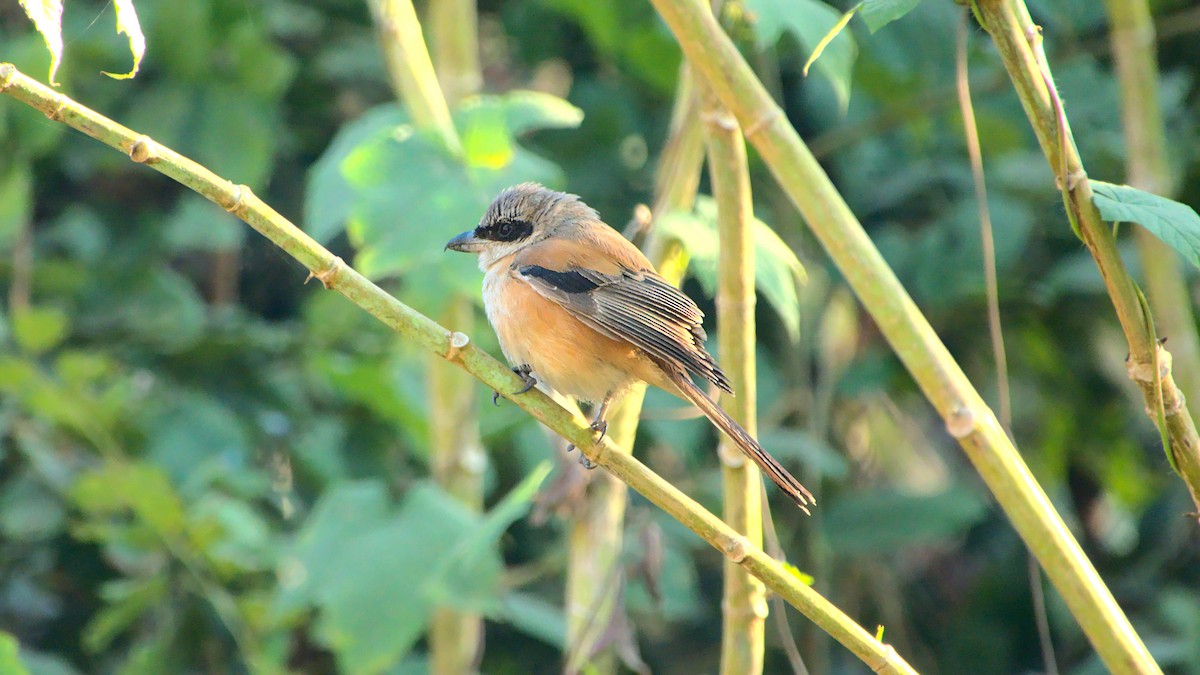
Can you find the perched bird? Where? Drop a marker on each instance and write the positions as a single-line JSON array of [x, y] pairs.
[[578, 307]]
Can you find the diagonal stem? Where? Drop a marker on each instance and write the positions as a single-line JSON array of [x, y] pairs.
[[968, 419], [458, 349]]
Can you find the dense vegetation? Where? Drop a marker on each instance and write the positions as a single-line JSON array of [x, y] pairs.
[[208, 466]]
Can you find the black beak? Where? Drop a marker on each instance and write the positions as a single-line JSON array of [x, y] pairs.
[[466, 242]]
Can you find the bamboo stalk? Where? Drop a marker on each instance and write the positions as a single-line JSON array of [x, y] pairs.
[[457, 456], [457, 348], [968, 419], [1019, 42], [596, 536], [744, 608], [1131, 32], [411, 70]]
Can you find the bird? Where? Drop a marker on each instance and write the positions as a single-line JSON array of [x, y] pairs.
[[578, 307]]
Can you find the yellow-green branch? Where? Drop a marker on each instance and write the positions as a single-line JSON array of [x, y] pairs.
[[744, 608], [968, 419], [456, 348], [1019, 42]]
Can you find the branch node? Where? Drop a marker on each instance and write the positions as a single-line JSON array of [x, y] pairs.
[[327, 276], [1033, 34], [1143, 370], [961, 422], [55, 113], [762, 122], [457, 342], [241, 202], [734, 548], [1074, 178], [143, 150], [8, 72], [719, 118]]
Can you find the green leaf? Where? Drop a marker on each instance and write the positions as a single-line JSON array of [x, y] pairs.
[[879, 13], [46, 16], [1176, 224], [437, 553], [329, 199], [138, 487], [880, 521], [535, 617], [128, 600], [10, 660], [528, 111], [777, 270], [127, 23], [37, 330], [810, 21], [409, 196]]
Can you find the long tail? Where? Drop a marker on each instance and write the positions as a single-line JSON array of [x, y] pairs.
[[774, 470]]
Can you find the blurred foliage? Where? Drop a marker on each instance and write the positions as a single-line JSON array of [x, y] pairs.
[[208, 466]]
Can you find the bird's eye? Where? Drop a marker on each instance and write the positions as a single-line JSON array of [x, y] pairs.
[[506, 229]]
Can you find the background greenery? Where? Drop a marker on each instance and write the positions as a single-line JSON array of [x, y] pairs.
[[206, 466]]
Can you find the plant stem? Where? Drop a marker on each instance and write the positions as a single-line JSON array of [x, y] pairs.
[[457, 456], [454, 32], [1147, 168], [744, 608], [457, 348], [967, 417], [407, 60], [597, 533], [1020, 45]]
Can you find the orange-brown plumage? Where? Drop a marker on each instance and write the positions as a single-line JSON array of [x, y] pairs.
[[582, 309]]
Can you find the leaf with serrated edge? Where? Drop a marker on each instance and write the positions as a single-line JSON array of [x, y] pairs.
[[1176, 224], [127, 23], [46, 16], [809, 21]]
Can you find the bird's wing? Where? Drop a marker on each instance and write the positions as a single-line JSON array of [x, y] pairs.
[[633, 305]]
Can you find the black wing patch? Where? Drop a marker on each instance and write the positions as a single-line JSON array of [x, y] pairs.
[[570, 281], [639, 307]]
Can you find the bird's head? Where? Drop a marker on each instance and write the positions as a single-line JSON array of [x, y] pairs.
[[520, 216]]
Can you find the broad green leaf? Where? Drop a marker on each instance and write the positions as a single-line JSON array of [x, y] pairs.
[[139, 487], [881, 521], [879, 13], [329, 199], [532, 110], [127, 23], [37, 330], [1176, 224], [459, 582], [409, 196], [777, 270], [46, 16], [10, 660], [810, 21]]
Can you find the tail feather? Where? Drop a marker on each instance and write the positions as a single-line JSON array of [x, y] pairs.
[[770, 466]]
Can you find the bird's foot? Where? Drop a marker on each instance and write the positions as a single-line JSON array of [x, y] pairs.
[[602, 427], [526, 375]]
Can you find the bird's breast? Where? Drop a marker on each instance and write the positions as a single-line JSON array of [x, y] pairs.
[[563, 352]]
